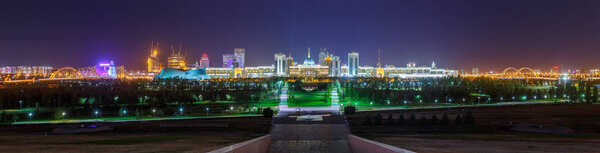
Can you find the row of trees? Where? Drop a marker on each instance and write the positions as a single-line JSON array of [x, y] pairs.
[[378, 120], [467, 90]]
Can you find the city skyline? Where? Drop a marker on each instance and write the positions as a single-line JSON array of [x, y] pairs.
[[508, 33]]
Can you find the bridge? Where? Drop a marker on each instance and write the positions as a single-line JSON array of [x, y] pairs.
[[523, 73], [65, 73]]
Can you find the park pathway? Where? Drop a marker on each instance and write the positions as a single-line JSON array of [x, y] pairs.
[[301, 130]]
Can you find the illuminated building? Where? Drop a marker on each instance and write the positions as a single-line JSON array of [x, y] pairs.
[[106, 70], [412, 71], [240, 56], [475, 71], [259, 71], [322, 55], [336, 67], [153, 62], [204, 61], [353, 63], [308, 60], [27, 71], [140, 75], [176, 60], [280, 64], [309, 69], [218, 72], [228, 60], [289, 62], [196, 74]]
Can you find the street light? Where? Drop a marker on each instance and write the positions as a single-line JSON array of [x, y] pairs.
[[96, 113], [207, 109], [20, 103], [30, 115], [180, 110], [64, 114], [154, 112]]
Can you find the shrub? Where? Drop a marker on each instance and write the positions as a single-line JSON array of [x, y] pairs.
[[469, 120], [445, 120], [368, 120], [390, 120], [349, 110], [458, 120], [378, 119], [401, 120], [434, 120], [412, 120], [267, 112]]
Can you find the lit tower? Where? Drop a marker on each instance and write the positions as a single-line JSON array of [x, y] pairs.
[[204, 61], [379, 70], [240, 55], [327, 62], [280, 64], [154, 64], [353, 63], [289, 62], [177, 60]]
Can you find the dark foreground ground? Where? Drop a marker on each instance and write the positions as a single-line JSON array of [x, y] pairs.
[[490, 134], [156, 136]]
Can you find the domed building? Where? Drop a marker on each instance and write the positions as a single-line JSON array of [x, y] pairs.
[[309, 69]]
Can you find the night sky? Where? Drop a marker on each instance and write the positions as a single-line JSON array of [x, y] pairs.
[[456, 34]]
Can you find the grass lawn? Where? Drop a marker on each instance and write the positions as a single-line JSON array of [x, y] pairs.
[[308, 99]]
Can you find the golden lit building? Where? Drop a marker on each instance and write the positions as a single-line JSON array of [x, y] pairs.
[[176, 60], [154, 64]]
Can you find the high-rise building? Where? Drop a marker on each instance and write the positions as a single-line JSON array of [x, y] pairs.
[[289, 62], [239, 54], [280, 64], [227, 60], [154, 64], [204, 61], [353, 63], [322, 55], [475, 71], [176, 60], [336, 67]]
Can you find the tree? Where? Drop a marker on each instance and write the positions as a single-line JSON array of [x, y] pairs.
[[458, 120], [469, 120], [368, 120], [378, 119], [412, 120], [434, 120], [445, 120], [401, 120], [390, 120]]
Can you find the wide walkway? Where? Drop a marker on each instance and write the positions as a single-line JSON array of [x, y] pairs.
[[301, 130]]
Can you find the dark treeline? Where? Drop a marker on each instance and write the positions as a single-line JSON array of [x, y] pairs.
[[466, 90], [97, 93]]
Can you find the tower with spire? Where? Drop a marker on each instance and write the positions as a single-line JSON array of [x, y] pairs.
[[308, 60]]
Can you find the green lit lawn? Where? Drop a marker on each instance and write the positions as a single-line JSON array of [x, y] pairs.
[[308, 99]]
